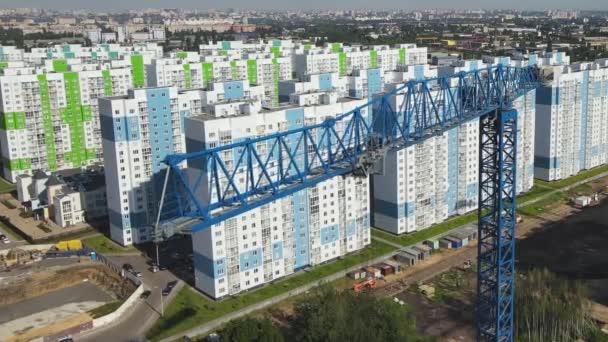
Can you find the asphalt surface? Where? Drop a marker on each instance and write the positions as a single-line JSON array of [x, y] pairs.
[[83, 292], [134, 324]]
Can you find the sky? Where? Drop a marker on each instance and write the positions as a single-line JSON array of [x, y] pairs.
[[309, 4]]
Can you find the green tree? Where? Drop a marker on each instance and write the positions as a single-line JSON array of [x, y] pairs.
[[332, 316], [550, 308], [251, 330]]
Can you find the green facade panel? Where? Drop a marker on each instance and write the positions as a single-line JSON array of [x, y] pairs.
[[276, 71], [401, 56], [252, 71], [276, 51], [47, 121], [336, 47], [60, 65], [207, 73], [342, 63], [181, 54], [373, 57], [74, 115], [137, 70], [234, 71], [19, 164], [12, 121], [107, 83], [187, 76]]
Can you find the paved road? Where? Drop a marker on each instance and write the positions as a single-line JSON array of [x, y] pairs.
[[140, 317], [83, 292]]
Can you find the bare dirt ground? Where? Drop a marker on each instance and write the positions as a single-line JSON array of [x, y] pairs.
[[568, 241], [17, 289]]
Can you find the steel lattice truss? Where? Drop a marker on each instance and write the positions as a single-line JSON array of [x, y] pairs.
[[496, 248], [223, 182], [228, 180]]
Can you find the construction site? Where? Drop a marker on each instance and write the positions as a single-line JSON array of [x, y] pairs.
[[439, 282], [48, 289]]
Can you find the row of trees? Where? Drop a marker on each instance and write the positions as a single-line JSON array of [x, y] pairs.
[[551, 308], [332, 316]]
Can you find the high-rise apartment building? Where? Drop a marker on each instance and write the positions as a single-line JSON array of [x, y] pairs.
[[50, 120], [572, 120]]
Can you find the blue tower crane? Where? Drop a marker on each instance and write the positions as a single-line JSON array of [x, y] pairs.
[[205, 187]]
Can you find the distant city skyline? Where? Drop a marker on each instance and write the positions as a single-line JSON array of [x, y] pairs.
[[311, 4]]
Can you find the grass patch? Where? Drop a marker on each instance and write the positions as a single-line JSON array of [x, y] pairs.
[[581, 176], [190, 309], [535, 192], [102, 244], [105, 309], [583, 189], [542, 205], [6, 187], [414, 238], [9, 231]]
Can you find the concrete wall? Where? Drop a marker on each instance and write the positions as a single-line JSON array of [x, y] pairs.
[[111, 317]]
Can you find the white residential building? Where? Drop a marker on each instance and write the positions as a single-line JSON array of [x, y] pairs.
[[572, 120], [309, 227]]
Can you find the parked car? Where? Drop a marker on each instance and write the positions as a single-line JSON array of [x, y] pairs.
[[145, 294], [136, 273], [4, 239], [172, 284], [166, 291], [154, 269], [65, 339], [127, 267]]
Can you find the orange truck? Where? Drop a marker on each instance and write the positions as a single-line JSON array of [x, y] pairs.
[[369, 283]]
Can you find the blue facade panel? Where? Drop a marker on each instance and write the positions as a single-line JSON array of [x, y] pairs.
[[546, 162], [250, 260], [473, 66], [451, 196], [374, 81], [330, 234], [233, 90], [160, 126], [295, 119], [277, 250], [532, 59], [351, 228], [325, 82], [212, 268], [419, 72], [584, 102], [132, 125]]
